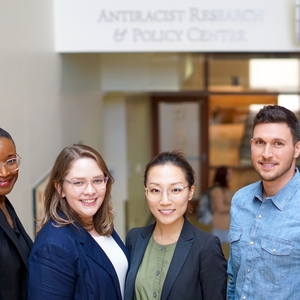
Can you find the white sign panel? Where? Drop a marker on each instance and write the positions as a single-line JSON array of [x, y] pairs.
[[175, 26]]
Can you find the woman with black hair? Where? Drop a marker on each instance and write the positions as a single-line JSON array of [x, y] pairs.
[[172, 259], [15, 244]]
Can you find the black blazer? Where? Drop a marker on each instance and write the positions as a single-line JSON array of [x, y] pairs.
[[13, 258], [197, 270]]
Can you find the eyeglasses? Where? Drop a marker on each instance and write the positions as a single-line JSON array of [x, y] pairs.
[[155, 194], [12, 164], [80, 185]]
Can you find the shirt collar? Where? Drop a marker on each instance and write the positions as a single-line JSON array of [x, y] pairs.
[[284, 195]]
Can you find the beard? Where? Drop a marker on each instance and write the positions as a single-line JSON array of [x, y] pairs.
[[276, 174]]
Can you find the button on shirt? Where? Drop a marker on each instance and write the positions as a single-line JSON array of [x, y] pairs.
[[264, 238], [153, 270]]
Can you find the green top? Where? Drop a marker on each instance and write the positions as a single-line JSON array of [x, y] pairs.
[[153, 269]]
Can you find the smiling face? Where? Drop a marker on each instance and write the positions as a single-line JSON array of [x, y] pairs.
[[7, 178], [87, 202], [168, 176], [273, 152]]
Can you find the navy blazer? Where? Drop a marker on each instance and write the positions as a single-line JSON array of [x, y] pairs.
[[197, 270], [67, 263], [13, 258]]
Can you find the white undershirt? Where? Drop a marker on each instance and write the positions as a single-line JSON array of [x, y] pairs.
[[116, 256]]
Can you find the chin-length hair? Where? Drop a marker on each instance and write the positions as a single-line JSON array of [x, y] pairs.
[[56, 206]]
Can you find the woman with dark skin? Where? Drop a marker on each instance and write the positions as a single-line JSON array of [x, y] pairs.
[[15, 244]]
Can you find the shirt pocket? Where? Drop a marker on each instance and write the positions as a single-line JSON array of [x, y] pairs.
[[276, 257], [234, 237]]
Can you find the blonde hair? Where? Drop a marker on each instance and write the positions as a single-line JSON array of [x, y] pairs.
[[58, 209]]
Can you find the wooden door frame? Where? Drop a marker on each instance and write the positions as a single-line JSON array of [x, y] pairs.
[[173, 97]]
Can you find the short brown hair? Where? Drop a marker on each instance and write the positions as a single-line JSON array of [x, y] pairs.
[[279, 114]]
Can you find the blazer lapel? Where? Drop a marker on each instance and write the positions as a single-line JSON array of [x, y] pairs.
[[99, 257], [139, 251], [181, 252], [10, 232], [138, 254], [121, 244]]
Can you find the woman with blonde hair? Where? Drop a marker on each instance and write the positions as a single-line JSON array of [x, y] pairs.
[[77, 253]]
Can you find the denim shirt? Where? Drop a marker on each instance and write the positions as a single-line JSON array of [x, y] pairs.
[[264, 240]]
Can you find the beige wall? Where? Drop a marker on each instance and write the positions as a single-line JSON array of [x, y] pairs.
[[139, 154], [48, 101]]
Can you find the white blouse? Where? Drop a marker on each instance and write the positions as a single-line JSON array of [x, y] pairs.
[[116, 256]]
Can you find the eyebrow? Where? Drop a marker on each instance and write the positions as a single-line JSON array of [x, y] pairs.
[[273, 140], [154, 183], [98, 176]]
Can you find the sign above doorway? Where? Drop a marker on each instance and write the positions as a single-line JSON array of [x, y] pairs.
[[175, 26]]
